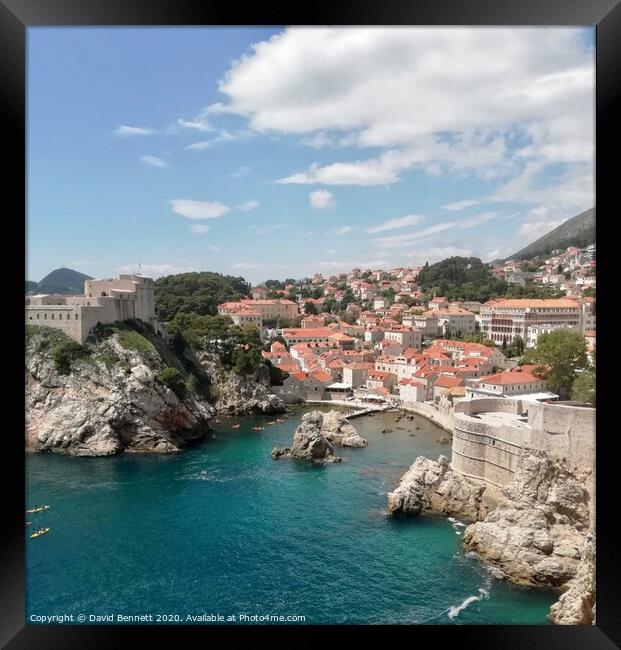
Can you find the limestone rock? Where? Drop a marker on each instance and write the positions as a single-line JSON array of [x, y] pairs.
[[310, 442], [577, 605], [536, 534], [433, 487], [235, 395], [101, 409], [339, 431]]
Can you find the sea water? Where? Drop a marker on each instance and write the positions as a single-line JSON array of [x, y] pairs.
[[221, 533]]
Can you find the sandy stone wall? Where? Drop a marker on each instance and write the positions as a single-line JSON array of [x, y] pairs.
[[487, 443]]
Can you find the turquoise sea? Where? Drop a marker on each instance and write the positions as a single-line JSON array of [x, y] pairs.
[[222, 529]]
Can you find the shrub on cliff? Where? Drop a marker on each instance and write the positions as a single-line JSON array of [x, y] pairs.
[[172, 378], [65, 353], [246, 360]]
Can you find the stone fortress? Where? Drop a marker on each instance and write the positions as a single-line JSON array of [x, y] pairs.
[[489, 435], [104, 301]]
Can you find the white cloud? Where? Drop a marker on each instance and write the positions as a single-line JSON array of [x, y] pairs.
[[262, 230], [213, 249], [460, 100], [153, 161], [240, 171], [200, 228], [319, 141], [156, 270], [461, 205], [437, 253], [343, 230], [124, 131], [224, 136], [255, 265], [199, 209], [401, 241], [248, 205], [321, 199], [334, 265], [199, 124], [398, 222], [477, 220]]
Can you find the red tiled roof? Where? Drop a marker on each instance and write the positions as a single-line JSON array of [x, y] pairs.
[[510, 377], [446, 381], [533, 302], [322, 376]]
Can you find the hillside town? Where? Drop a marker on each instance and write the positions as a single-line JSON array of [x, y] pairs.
[[395, 344]]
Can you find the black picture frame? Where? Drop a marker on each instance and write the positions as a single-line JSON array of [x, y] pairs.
[[17, 15]]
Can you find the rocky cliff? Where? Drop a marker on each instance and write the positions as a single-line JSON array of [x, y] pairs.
[[235, 395], [431, 486], [538, 534], [126, 390], [538, 531]]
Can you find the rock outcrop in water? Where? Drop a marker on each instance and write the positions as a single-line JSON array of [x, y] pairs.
[[313, 439], [433, 487], [538, 534], [336, 429]]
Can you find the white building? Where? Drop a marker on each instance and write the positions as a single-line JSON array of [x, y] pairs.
[[130, 296], [506, 319], [511, 383]]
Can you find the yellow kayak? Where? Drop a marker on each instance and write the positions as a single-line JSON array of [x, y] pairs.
[[39, 509], [40, 532]]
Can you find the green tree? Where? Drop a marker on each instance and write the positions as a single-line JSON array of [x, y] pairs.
[[560, 354], [246, 359], [309, 308], [518, 344], [200, 293], [583, 389]]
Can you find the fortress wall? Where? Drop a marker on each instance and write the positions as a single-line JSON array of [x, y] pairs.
[[484, 450], [489, 450], [489, 405], [565, 432]]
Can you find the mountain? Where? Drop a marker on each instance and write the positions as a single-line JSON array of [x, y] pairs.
[[578, 231], [61, 280]]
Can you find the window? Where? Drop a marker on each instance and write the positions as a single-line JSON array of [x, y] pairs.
[[45, 316], [52, 316], [38, 315], [60, 316]]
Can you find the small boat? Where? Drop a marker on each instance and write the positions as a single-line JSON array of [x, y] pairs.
[[37, 509], [40, 532], [235, 426], [28, 523], [257, 428]]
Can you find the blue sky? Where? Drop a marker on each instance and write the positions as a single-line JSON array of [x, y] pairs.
[[281, 152]]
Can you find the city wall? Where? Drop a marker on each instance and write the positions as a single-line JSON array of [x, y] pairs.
[[487, 447]]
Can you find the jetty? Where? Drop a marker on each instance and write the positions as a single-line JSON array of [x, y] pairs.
[[356, 409]]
